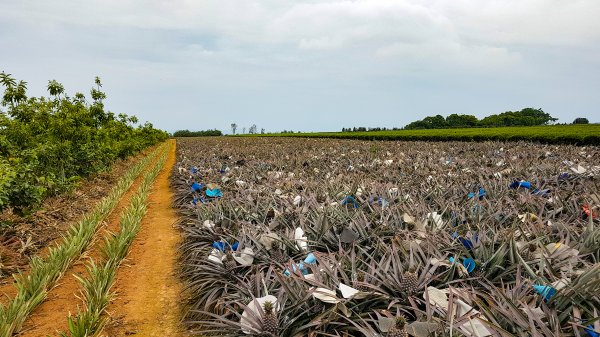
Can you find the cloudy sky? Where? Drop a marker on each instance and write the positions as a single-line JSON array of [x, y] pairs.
[[310, 65]]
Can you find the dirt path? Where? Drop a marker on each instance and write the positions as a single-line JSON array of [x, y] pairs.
[[64, 299], [148, 293]]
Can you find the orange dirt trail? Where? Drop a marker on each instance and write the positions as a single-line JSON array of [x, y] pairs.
[[147, 288]]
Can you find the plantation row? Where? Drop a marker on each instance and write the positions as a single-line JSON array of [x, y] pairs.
[[314, 237], [48, 144], [554, 134], [46, 272]]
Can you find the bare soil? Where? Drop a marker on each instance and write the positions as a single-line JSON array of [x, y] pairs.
[[147, 287]]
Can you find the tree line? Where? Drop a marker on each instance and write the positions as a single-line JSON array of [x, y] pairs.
[[524, 117], [202, 133]]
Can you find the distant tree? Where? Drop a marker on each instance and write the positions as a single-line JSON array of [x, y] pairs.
[[461, 121], [262, 131], [252, 129], [416, 125], [538, 116], [233, 128], [431, 122], [435, 122], [244, 130], [581, 120], [525, 117]]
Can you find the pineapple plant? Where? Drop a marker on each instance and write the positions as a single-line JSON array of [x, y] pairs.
[[399, 329], [530, 253], [393, 248], [290, 218], [409, 283], [270, 324], [278, 255], [360, 283], [229, 261]]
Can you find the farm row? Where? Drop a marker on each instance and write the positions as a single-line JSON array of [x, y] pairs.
[[308, 237], [47, 270], [555, 134]]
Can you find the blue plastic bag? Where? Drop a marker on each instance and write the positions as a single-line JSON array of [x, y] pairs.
[[546, 291], [481, 194], [310, 258], [542, 193], [470, 264], [223, 246], [295, 267], [214, 193], [350, 200], [522, 183], [381, 201], [197, 187], [590, 331], [195, 201], [467, 243]]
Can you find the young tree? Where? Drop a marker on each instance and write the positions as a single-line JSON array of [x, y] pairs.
[[55, 88], [252, 129], [233, 128], [14, 93]]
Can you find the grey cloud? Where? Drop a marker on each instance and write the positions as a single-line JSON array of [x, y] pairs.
[[311, 65]]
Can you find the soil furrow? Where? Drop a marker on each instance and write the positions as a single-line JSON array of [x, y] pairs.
[[147, 288]]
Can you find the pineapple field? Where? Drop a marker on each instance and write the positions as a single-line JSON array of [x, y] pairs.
[[327, 237]]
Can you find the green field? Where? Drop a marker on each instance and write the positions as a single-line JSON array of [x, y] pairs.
[[553, 134]]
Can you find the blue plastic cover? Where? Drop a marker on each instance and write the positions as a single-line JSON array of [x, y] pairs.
[[310, 258], [223, 246], [214, 193], [590, 331], [196, 187], [350, 200], [470, 264], [517, 184], [546, 291]]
